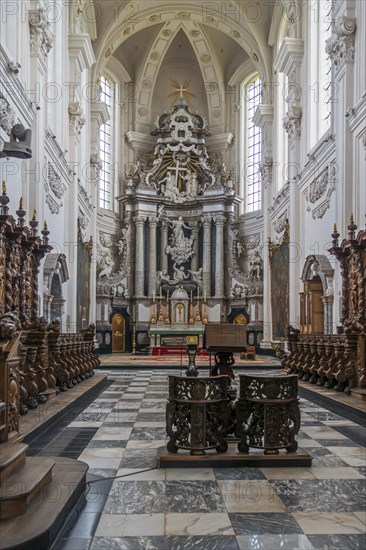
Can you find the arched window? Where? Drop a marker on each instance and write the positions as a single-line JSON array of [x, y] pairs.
[[252, 146], [105, 135]]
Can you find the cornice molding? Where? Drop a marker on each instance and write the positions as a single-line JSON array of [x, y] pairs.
[[80, 47], [291, 52]]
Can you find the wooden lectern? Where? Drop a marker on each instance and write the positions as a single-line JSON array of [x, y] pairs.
[[224, 339]]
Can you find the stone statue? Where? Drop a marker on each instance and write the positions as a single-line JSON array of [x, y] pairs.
[[256, 266], [105, 265], [170, 189], [229, 182], [120, 246], [196, 276], [161, 211], [192, 185], [162, 277], [178, 233], [179, 274], [239, 248]]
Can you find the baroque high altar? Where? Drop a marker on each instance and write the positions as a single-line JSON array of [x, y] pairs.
[[174, 264]]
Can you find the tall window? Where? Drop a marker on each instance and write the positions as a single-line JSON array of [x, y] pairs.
[[321, 88], [105, 181], [253, 142]]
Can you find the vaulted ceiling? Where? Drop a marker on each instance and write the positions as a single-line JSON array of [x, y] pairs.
[[209, 40]]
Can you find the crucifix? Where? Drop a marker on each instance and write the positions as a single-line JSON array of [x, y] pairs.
[[177, 170]]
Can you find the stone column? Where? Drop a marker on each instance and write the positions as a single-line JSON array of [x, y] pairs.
[[289, 61], [194, 262], [139, 257], [207, 253], [264, 120], [219, 264], [152, 256], [164, 244]]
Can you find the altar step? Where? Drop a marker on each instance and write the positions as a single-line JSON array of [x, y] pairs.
[[175, 350], [36, 496], [233, 459]]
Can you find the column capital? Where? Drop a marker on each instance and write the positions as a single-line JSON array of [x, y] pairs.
[[341, 45], [219, 220], [266, 171], [41, 38], [76, 118], [139, 220], [153, 221], [292, 122], [206, 219]]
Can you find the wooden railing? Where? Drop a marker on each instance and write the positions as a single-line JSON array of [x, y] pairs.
[[37, 364]]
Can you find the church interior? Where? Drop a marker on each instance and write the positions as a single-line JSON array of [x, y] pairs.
[[182, 274]]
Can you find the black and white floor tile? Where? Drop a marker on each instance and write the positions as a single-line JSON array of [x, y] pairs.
[[322, 507]]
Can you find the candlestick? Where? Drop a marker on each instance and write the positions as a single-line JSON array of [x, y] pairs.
[[34, 214], [4, 187]]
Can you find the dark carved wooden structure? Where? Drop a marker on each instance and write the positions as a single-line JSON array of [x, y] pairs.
[[197, 414], [267, 412], [337, 361], [37, 361], [224, 339]]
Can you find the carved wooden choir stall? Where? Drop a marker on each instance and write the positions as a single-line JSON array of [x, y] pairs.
[[337, 361], [37, 361]]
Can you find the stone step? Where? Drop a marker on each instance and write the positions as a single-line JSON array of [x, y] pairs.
[[38, 527], [359, 393], [25, 484], [12, 456]]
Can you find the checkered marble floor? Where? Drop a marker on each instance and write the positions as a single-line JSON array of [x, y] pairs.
[[321, 507]]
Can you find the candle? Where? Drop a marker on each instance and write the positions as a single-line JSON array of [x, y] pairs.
[[205, 296], [154, 296], [198, 293], [167, 296], [191, 295], [161, 294]]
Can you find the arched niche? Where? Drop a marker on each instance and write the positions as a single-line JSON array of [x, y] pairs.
[[55, 273], [316, 301]]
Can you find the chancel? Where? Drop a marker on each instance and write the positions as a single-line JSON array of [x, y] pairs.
[[182, 274]]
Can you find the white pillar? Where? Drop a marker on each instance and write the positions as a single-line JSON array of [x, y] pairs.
[[207, 254], [152, 256], [164, 244], [139, 257], [194, 262], [219, 263]]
